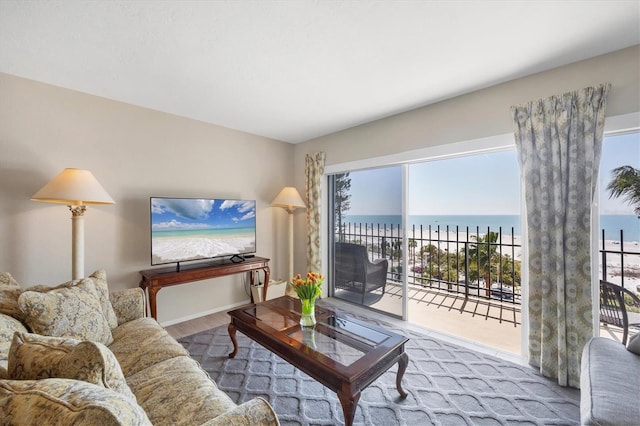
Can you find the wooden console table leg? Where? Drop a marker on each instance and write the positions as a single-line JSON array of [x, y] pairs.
[[232, 334], [349, 404], [266, 282], [403, 362], [153, 291]]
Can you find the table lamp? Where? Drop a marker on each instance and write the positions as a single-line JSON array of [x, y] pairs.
[[76, 188]]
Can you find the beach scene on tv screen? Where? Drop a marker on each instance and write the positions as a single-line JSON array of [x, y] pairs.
[[192, 229]]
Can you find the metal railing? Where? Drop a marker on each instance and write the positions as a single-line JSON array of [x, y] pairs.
[[627, 269], [465, 261]]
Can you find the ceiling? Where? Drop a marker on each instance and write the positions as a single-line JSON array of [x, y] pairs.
[[297, 70]]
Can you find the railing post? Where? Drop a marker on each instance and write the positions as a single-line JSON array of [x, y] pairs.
[[604, 258], [466, 267]]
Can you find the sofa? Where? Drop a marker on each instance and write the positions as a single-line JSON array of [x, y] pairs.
[[77, 354], [610, 382]]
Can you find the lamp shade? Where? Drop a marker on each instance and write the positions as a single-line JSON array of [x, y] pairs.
[[73, 186], [289, 198]]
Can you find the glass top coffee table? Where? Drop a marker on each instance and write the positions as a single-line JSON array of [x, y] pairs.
[[344, 354]]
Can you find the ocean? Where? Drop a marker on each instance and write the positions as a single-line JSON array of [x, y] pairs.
[[611, 224]]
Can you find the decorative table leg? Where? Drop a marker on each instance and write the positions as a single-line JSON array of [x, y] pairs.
[[402, 367], [349, 404], [232, 334], [153, 291]]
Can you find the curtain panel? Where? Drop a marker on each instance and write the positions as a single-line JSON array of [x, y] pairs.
[[559, 142], [314, 169]]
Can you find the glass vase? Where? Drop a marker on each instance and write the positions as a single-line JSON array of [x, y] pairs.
[[308, 317]]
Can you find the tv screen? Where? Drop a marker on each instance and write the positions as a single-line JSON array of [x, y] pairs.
[[184, 229]]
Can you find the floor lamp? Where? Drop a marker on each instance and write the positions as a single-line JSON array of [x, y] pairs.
[[289, 199], [76, 188]]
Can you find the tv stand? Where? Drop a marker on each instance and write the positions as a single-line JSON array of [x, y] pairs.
[[153, 280]]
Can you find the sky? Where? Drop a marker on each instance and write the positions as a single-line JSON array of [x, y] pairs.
[[172, 214], [486, 184]]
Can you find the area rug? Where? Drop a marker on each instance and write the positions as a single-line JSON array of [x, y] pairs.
[[447, 385]]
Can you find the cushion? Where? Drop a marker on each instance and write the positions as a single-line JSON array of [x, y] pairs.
[[71, 311], [7, 280], [141, 343], [608, 390], [9, 292], [4, 355], [634, 344], [100, 281], [8, 326], [33, 357], [58, 402], [198, 400]]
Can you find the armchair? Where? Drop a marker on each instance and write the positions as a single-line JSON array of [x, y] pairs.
[[613, 309], [355, 272]]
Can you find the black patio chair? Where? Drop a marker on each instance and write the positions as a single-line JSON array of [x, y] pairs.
[[613, 307], [355, 272]]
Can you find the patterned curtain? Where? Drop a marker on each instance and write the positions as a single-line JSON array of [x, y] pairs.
[[559, 141], [314, 169]]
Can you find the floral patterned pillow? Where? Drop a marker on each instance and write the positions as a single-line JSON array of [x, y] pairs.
[[71, 311], [34, 357], [67, 402], [99, 278], [7, 280], [9, 292]]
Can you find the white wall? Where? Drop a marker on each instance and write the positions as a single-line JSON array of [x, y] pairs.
[[479, 114], [134, 153]]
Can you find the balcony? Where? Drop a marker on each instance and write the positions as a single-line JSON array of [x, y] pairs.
[[466, 282]]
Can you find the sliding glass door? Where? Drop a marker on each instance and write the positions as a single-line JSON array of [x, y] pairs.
[[366, 242], [445, 235]]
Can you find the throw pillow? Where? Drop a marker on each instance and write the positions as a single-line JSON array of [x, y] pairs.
[[7, 280], [634, 344], [99, 278], [34, 357], [9, 292], [72, 311], [8, 326]]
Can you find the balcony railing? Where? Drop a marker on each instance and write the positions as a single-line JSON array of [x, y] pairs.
[[483, 263], [618, 265]]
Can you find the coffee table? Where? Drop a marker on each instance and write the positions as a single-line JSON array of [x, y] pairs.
[[344, 354]]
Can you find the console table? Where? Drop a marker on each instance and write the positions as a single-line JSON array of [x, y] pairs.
[[155, 279]]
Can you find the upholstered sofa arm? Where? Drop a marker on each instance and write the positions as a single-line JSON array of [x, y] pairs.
[[128, 304], [256, 412], [65, 402]]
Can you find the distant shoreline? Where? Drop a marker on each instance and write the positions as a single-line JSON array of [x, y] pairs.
[[612, 224]]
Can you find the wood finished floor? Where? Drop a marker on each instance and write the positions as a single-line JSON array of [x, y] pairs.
[[197, 325]]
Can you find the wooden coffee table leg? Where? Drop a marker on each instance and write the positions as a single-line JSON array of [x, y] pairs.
[[402, 367], [232, 334], [349, 404]]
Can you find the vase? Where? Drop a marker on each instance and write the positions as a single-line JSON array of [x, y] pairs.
[[308, 317]]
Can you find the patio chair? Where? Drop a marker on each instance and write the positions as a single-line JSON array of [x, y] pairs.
[[356, 273], [613, 307]]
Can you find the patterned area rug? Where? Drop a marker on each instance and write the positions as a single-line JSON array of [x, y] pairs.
[[447, 385]]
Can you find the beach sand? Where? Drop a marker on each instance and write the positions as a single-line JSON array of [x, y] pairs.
[[173, 249]]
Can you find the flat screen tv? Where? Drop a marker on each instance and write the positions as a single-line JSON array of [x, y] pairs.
[[186, 229]]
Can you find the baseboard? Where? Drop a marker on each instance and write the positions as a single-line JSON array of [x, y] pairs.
[[204, 313]]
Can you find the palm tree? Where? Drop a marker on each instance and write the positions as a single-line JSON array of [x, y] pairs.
[[625, 182], [342, 200], [412, 248], [484, 256]]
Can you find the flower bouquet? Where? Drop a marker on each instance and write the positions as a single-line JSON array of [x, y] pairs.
[[308, 290]]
